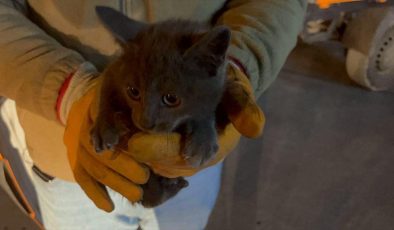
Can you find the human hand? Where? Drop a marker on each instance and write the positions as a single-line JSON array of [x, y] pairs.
[[162, 151]]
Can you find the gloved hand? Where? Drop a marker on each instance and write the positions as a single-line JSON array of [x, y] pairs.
[[161, 151], [91, 170]]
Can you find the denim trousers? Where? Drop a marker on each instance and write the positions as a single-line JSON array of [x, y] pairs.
[[63, 205]]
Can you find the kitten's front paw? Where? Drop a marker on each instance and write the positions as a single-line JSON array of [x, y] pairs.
[[104, 137], [197, 153]]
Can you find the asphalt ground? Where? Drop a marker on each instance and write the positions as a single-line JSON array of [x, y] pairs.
[[326, 159]]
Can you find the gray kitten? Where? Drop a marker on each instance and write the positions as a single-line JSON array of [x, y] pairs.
[[169, 78]]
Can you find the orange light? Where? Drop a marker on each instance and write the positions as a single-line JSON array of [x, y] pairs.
[[324, 4]]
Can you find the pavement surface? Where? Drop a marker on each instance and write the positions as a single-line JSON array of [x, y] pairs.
[[326, 159]]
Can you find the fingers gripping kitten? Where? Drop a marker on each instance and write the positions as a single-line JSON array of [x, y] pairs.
[[170, 77]]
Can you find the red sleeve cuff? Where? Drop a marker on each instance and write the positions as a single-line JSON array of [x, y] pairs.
[[62, 91], [238, 64]]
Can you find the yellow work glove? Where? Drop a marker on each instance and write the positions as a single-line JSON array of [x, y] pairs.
[[162, 151], [91, 170]]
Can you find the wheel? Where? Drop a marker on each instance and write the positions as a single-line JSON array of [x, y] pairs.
[[369, 38]]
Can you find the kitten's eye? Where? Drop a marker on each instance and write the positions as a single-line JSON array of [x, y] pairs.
[[171, 100], [133, 93]]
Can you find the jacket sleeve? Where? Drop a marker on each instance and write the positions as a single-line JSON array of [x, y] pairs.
[[33, 66], [263, 34]]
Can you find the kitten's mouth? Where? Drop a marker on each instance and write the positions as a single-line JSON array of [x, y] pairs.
[[144, 129], [155, 130]]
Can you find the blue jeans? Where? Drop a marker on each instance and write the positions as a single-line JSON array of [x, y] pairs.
[[191, 208], [64, 206]]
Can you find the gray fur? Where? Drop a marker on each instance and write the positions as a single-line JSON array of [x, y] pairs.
[[177, 57]]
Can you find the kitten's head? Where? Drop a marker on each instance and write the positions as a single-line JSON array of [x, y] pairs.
[[171, 72]]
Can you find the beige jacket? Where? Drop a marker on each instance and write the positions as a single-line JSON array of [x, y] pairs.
[[42, 44]]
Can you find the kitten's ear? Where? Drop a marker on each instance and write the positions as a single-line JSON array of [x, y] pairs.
[[210, 49], [122, 27]]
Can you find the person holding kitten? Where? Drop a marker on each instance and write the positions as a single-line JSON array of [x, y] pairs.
[[52, 54]]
